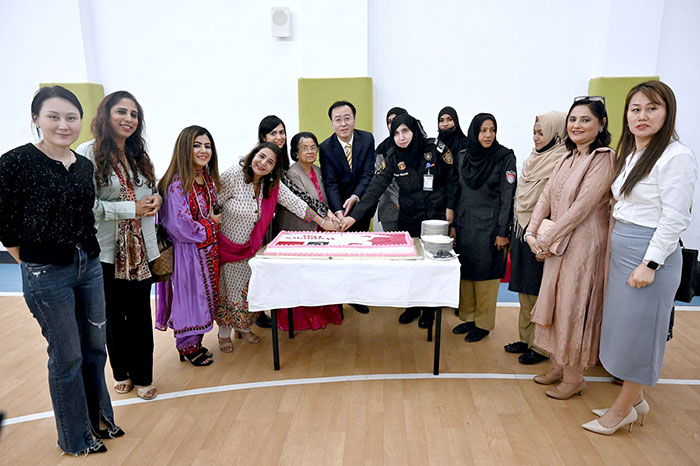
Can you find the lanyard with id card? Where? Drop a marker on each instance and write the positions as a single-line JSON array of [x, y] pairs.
[[428, 178]]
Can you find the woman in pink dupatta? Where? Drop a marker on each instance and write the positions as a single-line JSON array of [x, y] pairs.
[[569, 308], [249, 194]]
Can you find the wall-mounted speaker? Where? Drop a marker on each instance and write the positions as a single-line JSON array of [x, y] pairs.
[[281, 21]]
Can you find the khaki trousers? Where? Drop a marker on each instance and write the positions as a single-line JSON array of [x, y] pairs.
[[477, 302], [525, 326]]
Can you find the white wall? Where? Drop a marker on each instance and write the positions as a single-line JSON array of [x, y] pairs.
[[679, 67], [214, 63], [35, 48]]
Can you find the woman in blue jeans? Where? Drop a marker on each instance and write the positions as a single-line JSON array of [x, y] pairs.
[[47, 225]]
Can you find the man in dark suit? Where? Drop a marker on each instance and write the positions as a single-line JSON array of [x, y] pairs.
[[347, 163], [347, 166]]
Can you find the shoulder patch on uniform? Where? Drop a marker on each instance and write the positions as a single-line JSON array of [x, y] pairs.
[[441, 146], [447, 157], [511, 176], [381, 167]]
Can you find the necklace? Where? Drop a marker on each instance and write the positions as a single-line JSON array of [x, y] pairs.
[[66, 161]]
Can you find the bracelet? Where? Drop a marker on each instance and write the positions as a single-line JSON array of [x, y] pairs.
[[528, 233]]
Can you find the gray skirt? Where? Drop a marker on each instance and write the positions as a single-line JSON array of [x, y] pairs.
[[635, 320]]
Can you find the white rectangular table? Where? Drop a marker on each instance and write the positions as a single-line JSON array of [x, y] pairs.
[[279, 283]]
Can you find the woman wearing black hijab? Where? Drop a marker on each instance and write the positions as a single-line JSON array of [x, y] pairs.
[[427, 188], [388, 207], [450, 133], [484, 218]]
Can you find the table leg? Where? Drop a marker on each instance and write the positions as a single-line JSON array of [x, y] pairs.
[[290, 322], [430, 333], [275, 342], [438, 328]]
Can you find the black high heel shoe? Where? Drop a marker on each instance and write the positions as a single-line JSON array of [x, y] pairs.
[[110, 432], [199, 358]]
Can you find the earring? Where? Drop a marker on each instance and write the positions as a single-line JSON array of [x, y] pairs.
[[600, 130]]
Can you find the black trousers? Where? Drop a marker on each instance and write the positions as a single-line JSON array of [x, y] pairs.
[[129, 327]]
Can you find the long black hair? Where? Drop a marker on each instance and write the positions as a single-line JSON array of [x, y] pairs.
[[598, 110], [266, 126]]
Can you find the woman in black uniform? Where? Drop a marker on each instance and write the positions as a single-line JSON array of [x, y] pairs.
[[427, 182], [483, 221], [450, 133], [388, 207]]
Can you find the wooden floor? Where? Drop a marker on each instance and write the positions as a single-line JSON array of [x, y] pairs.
[[432, 420]]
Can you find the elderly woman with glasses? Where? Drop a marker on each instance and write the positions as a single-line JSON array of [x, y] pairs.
[[572, 245], [307, 177]]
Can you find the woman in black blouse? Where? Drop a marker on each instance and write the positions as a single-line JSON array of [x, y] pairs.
[[46, 223]]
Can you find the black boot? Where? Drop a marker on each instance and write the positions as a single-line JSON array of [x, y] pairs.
[[361, 308], [426, 318], [463, 328], [263, 321], [409, 315]]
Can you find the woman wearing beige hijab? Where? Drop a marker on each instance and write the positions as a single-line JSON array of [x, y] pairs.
[[549, 135]]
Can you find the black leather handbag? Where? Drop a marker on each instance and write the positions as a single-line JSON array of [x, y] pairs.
[[690, 282]]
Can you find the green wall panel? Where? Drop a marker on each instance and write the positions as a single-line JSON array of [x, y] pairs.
[[316, 95], [615, 91], [90, 95]]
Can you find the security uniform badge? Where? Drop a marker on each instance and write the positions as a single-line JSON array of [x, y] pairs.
[[428, 156], [401, 166], [447, 157], [381, 167], [511, 176]]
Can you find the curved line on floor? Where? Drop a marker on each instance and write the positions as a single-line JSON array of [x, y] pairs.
[[320, 380]]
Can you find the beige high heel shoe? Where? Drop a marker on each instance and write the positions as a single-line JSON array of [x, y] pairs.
[[595, 426], [558, 394], [642, 409], [553, 376]]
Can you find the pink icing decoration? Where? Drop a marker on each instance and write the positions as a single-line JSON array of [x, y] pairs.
[[353, 244]]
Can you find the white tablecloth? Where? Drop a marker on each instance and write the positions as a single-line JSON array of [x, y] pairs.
[[282, 283]]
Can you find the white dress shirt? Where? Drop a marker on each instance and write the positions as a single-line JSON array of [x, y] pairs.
[[661, 200], [343, 144]]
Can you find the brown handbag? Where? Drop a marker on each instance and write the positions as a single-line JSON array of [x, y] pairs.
[[162, 268], [558, 247]]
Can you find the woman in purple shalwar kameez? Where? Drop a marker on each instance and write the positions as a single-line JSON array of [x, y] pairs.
[[187, 302]]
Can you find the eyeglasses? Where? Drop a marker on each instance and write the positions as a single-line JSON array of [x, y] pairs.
[[590, 98], [345, 119], [304, 149]]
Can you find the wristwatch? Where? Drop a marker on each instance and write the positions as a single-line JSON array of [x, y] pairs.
[[652, 265]]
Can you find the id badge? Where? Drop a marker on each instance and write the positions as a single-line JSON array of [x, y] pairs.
[[427, 182]]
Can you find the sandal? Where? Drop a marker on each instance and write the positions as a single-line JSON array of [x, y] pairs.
[[128, 386], [147, 392], [248, 337], [198, 358], [225, 345]]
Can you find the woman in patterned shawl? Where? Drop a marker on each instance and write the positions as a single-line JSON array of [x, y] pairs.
[[187, 302], [249, 194], [125, 208]]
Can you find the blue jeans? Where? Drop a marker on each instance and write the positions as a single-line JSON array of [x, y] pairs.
[[68, 302]]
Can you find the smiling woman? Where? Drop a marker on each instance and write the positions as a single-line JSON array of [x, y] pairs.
[[249, 195], [127, 201], [187, 302], [570, 302], [47, 224]]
